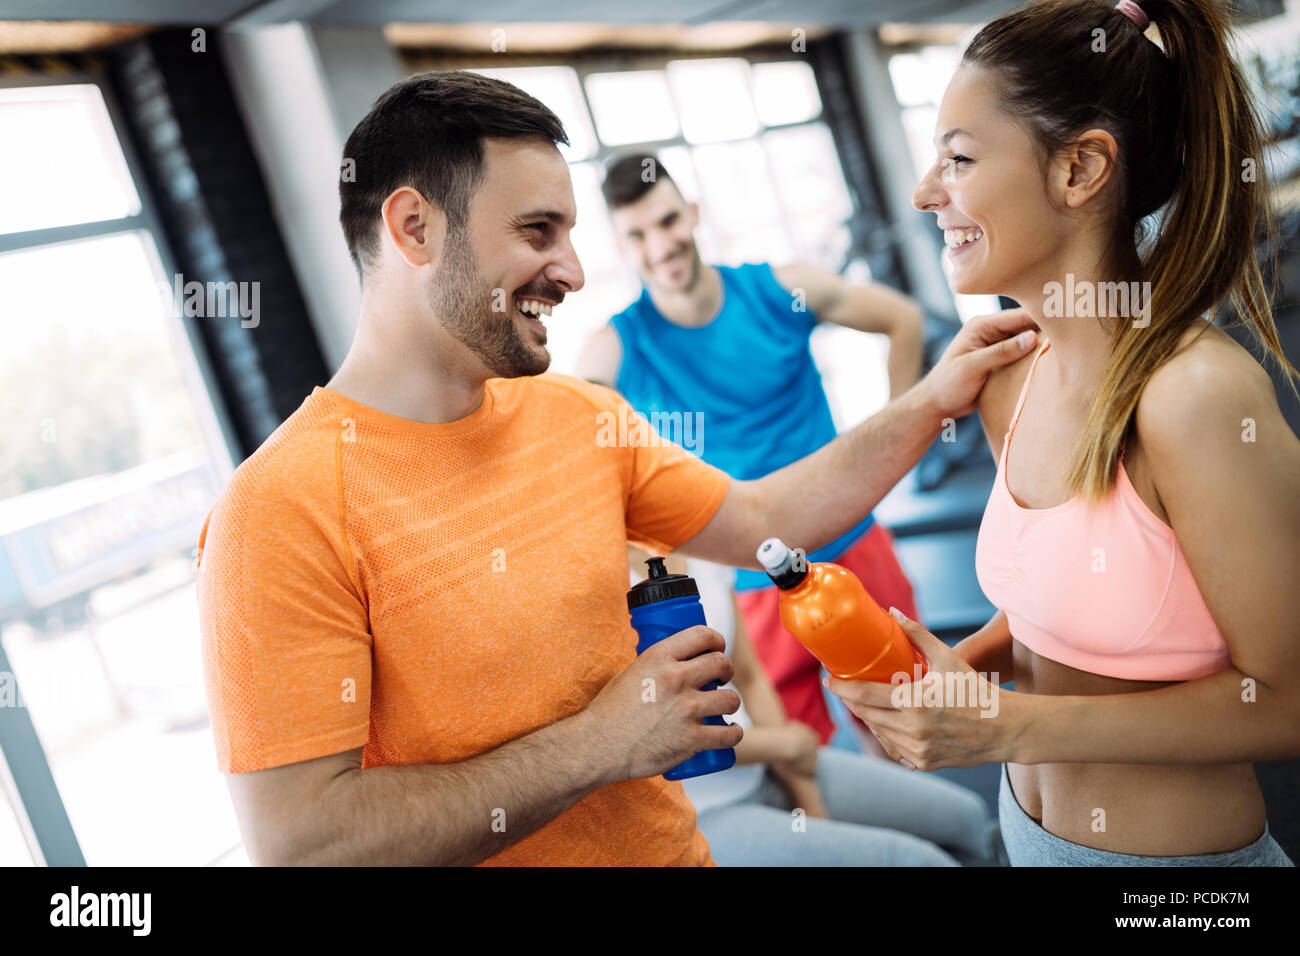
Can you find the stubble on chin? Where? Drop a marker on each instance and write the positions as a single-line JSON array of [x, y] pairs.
[[463, 302], [697, 269]]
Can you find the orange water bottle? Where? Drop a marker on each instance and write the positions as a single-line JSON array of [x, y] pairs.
[[826, 607]]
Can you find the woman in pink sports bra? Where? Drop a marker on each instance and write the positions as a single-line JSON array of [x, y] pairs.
[[1142, 536]]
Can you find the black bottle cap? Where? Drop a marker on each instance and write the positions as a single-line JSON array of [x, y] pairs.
[[785, 566], [788, 578], [660, 586]]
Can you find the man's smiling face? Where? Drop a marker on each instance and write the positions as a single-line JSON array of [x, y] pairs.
[[656, 236], [514, 260]]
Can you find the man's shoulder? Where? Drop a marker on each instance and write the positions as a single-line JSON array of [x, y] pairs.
[[766, 272], [633, 309], [601, 358], [296, 465], [557, 388], [775, 286]]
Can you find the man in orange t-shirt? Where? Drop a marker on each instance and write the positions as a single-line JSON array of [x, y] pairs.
[[415, 642]]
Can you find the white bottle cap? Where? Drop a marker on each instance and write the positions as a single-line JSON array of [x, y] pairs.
[[774, 556]]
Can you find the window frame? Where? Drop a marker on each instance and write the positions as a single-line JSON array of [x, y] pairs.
[[26, 774], [586, 64], [213, 417]]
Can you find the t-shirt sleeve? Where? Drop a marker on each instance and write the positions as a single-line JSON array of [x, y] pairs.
[[672, 494], [285, 634]]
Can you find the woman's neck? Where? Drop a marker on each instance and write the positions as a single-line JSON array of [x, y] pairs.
[[1064, 300]]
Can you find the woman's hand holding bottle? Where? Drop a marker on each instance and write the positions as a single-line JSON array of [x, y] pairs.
[[952, 717]]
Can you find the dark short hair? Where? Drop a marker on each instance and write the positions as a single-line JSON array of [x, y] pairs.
[[427, 132], [625, 180]]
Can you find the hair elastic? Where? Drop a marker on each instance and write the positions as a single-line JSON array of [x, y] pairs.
[[1133, 12]]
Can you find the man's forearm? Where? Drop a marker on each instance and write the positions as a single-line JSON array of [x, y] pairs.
[[820, 497], [762, 702], [814, 500], [906, 351], [457, 813], [766, 713], [762, 745]]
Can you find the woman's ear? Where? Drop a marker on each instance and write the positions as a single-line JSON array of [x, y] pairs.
[[1086, 166], [413, 227]]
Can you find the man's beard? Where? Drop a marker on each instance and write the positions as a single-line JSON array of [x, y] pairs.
[[463, 301], [696, 271]]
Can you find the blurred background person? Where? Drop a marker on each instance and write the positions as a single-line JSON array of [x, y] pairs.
[[725, 351]]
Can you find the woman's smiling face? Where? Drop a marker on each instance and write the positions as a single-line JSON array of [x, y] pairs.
[[988, 193]]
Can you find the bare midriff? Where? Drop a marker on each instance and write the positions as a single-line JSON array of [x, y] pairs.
[[1145, 809]]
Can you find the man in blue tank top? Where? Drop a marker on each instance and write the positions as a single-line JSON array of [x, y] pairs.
[[717, 358]]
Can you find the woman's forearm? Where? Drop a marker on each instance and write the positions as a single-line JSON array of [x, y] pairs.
[[1226, 717], [988, 650]]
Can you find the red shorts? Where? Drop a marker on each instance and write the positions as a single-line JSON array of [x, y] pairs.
[[794, 672]]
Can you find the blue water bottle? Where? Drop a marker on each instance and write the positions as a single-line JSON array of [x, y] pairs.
[[661, 606]]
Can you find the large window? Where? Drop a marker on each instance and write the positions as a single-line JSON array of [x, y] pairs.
[[113, 454], [744, 137]]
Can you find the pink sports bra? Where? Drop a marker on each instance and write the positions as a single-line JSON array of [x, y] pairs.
[[1107, 592]]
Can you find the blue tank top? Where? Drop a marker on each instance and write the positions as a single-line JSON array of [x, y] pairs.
[[743, 388]]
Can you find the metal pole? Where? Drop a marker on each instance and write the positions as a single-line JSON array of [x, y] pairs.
[[25, 774]]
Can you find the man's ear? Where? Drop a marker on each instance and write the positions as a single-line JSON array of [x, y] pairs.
[[620, 244], [694, 207], [413, 227], [1086, 166]]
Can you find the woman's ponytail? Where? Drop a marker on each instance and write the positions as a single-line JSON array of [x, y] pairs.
[[1191, 154]]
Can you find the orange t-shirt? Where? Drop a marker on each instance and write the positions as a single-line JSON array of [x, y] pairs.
[[430, 591]]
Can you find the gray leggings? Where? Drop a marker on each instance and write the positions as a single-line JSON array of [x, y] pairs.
[[882, 815], [1028, 844]]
